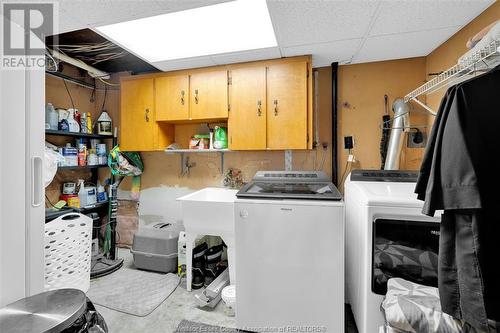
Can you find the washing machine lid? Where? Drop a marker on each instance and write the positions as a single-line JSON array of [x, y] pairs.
[[308, 185], [388, 194]]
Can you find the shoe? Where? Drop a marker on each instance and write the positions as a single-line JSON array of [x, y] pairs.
[[199, 265], [213, 258]]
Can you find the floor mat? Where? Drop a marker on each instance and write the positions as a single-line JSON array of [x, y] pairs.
[[187, 326], [133, 291]]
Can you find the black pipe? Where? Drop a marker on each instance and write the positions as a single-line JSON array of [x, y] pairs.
[[335, 71]]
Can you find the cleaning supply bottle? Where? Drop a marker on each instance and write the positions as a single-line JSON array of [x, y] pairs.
[[104, 124], [220, 140], [74, 126], [81, 193], [101, 193], [89, 123], [51, 117]]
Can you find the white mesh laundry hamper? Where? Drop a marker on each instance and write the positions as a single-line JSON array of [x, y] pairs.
[[68, 242]]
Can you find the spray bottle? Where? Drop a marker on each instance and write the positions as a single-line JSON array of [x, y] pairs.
[[81, 193]]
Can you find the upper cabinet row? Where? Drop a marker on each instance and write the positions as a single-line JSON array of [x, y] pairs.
[[266, 104]]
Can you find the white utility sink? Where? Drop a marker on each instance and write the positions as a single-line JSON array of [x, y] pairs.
[[209, 211]]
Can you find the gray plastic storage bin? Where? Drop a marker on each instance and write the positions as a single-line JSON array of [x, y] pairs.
[[155, 247]]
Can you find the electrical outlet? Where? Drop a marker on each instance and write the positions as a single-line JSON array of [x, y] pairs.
[[416, 140], [348, 142], [351, 158]]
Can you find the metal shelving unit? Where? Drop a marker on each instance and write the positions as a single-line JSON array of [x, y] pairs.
[[105, 264]]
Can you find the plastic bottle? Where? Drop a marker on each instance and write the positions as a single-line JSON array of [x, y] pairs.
[[51, 117], [81, 193], [101, 193], [74, 126], [89, 123], [104, 124]]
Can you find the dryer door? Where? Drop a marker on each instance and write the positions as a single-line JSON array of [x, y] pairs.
[[405, 249]]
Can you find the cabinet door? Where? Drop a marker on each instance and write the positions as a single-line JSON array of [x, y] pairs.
[[172, 100], [287, 106], [138, 130], [208, 95], [247, 118]]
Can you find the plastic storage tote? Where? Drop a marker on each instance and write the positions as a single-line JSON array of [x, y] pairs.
[[155, 247]]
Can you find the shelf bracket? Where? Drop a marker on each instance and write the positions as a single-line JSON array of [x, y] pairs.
[[221, 163], [425, 106], [288, 160], [183, 163]]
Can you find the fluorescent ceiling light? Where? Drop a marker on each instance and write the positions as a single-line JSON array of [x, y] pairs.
[[227, 27]]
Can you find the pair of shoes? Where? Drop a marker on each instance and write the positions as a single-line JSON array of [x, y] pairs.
[[213, 268], [199, 264], [206, 264]]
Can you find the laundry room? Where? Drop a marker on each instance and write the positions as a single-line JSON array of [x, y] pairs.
[[249, 166]]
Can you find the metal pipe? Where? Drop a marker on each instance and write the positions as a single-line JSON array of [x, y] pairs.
[[94, 72], [76, 81], [399, 122], [335, 72]]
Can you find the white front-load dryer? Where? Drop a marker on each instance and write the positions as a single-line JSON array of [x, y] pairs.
[[387, 211]]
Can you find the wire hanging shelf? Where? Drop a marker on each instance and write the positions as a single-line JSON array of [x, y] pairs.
[[471, 63]]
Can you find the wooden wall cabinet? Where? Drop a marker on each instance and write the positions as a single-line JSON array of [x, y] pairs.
[[197, 96], [287, 106], [270, 107], [247, 121], [139, 130], [208, 95], [172, 98]]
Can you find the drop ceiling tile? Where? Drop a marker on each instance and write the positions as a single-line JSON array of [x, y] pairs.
[[94, 13], [195, 62], [65, 23], [407, 45], [176, 5], [299, 22], [324, 54], [250, 55], [417, 15]]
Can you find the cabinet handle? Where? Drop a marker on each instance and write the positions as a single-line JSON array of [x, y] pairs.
[[259, 108], [275, 107], [196, 96], [182, 97], [146, 115]]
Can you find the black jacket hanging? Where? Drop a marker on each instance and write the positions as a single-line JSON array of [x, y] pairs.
[[458, 176]]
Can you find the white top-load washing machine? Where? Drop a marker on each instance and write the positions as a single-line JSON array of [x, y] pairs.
[[386, 236], [289, 230]]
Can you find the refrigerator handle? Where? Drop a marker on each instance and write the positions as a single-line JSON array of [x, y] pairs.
[[36, 181]]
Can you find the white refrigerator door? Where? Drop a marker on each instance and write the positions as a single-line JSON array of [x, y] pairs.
[[290, 267], [22, 208]]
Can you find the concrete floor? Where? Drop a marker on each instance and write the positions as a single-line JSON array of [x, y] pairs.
[[164, 319], [178, 306]]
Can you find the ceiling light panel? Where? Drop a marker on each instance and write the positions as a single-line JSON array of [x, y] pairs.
[[228, 27]]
